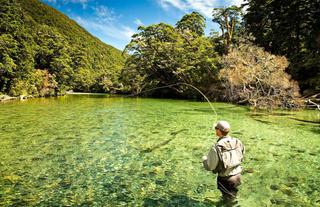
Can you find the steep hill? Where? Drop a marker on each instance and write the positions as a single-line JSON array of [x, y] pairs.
[[43, 52]]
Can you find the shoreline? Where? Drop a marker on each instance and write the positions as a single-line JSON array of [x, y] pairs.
[[308, 104], [85, 93], [4, 98]]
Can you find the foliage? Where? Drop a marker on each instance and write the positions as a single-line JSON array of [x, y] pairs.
[[229, 21], [193, 22], [162, 55], [254, 76], [42, 52], [289, 28]]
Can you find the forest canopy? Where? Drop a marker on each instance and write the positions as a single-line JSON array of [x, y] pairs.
[[43, 52]]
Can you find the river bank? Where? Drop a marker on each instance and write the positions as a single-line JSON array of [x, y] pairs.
[[4, 98], [311, 102]]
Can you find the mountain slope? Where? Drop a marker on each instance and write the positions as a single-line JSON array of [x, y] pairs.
[[43, 52]]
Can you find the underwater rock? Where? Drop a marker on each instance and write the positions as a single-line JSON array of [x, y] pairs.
[[313, 153], [274, 187], [168, 173], [248, 170], [12, 178], [277, 201], [156, 163], [37, 158], [160, 182], [292, 184], [301, 150], [201, 189], [293, 179], [65, 184], [256, 158], [240, 133], [286, 191]]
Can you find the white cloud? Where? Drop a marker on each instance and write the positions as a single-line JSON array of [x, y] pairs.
[[106, 29], [138, 22], [104, 13], [84, 3], [237, 2], [127, 32], [203, 6], [179, 4]]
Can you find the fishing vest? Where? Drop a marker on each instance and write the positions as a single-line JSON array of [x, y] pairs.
[[230, 153]]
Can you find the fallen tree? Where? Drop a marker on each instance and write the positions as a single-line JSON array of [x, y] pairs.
[[253, 76]]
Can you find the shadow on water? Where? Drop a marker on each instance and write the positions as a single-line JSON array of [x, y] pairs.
[[183, 200], [316, 130], [220, 109], [307, 121], [164, 142], [280, 114], [262, 121], [176, 200]]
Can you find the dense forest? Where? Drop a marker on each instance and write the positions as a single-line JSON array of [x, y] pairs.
[[289, 28], [267, 56], [43, 52]]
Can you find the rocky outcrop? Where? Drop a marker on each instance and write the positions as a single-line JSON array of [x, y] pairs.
[[7, 98]]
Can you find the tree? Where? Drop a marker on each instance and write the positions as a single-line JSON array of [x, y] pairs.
[[162, 55], [229, 22], [253, 76], [290, 28], [42, 52], [193, 22]]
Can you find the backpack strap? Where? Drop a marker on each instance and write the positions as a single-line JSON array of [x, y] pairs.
[[219, 167]]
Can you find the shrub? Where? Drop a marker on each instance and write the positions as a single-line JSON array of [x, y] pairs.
[[253, 76]]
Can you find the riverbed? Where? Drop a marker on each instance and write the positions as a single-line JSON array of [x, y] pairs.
[[101, 150]]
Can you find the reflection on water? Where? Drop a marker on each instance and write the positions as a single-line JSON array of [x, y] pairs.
[[94, 150]]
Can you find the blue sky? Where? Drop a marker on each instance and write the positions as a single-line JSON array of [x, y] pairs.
[[115, 21]]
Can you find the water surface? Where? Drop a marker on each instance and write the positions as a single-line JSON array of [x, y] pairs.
[[95, 150]]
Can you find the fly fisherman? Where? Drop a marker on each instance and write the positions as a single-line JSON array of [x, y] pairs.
[[224, 158]]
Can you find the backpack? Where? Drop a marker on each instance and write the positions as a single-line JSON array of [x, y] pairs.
[[230, 154]]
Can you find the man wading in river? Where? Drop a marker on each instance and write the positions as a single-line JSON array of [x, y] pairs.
[[224, 158]]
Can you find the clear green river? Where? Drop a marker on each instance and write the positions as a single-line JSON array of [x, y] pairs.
[[99, 150]]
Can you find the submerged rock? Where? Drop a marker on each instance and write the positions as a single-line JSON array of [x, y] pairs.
[[248, 170], [274, 187], [287, 191], [12, 178], [277, 201], [7, 98]]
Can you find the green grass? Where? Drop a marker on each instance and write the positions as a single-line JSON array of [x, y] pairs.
[[97, 150]]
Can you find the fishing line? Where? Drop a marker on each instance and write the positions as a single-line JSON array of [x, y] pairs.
[[187, 84]]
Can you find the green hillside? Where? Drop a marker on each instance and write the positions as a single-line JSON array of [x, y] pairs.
[[43, 52]]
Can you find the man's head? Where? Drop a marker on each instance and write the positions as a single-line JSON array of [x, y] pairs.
[[222, 128]]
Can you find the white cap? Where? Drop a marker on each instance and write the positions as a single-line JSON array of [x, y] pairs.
[[223, 126]]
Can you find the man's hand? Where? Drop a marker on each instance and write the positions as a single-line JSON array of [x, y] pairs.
[[204, 158]]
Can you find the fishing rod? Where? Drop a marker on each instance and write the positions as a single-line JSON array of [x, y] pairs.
[[181, 83]]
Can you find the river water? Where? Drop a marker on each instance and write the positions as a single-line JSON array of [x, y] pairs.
[[100, 150]]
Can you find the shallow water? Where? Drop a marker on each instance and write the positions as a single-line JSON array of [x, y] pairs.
[[94, 150]]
